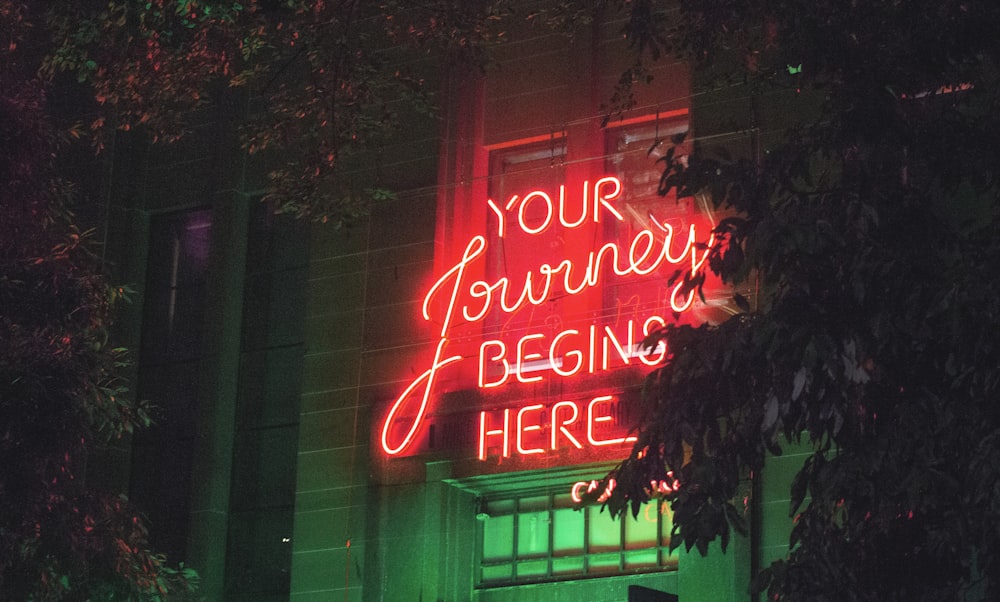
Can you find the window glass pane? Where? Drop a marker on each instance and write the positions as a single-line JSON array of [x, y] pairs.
[[604, 563], [260, 551], [168, 375], [499, 573], [666, 523], [533, 569], [262, 477], [161, 486], [572, 565], [641, 558], [668, 560], [631, 158], [642, 531], [548, 538], [498, 538], [175, 286], [532, 533], [519, 171], [567, 531], [632, 154], [604, 533]]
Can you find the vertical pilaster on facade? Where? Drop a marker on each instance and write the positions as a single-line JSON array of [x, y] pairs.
[[775, 506], [717, 577], [329, 554]]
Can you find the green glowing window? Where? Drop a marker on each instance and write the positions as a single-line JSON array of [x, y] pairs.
[[544, 538]]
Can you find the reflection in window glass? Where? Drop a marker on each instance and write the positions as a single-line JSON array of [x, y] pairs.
[[643, 531]]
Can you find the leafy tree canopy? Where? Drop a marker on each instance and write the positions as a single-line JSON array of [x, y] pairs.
[[325, 80], [59, 390], [870, 234]]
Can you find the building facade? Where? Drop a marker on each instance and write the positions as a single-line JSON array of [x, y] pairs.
[[408, 409]]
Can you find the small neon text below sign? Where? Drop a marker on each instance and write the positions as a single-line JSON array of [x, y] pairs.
[[462, 295]]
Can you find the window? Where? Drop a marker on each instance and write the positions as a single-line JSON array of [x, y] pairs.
[[514, 172], [179, 245], [169, 363], [632, 153], [546, 538]]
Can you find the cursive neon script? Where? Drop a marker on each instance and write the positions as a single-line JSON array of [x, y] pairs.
[[458, 298]]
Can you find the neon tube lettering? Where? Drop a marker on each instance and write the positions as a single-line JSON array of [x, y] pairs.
[[574, 353], [593, 418], [601, 199], [562, 424], [576, 492], [610, 336], [562, 207], [536, 288], [537, 194], [499, 357], [473, 250], [521, 429], [458, 296], [593, 335], [502, 432], [495, 431], [500, 219], [427, 379], [569, 353], [681, 306], [648, 358], [523, 357], [646, 237], [662, 487], [479, 290]]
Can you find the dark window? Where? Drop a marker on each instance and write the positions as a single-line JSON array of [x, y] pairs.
[[171, 350], [176, 273]]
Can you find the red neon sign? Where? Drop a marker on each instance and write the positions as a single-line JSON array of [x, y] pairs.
[[664, 486], [496, 429], [465, 295]]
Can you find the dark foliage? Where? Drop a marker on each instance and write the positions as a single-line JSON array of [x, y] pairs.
[[871, 234], [59, 395], [325, 85]]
